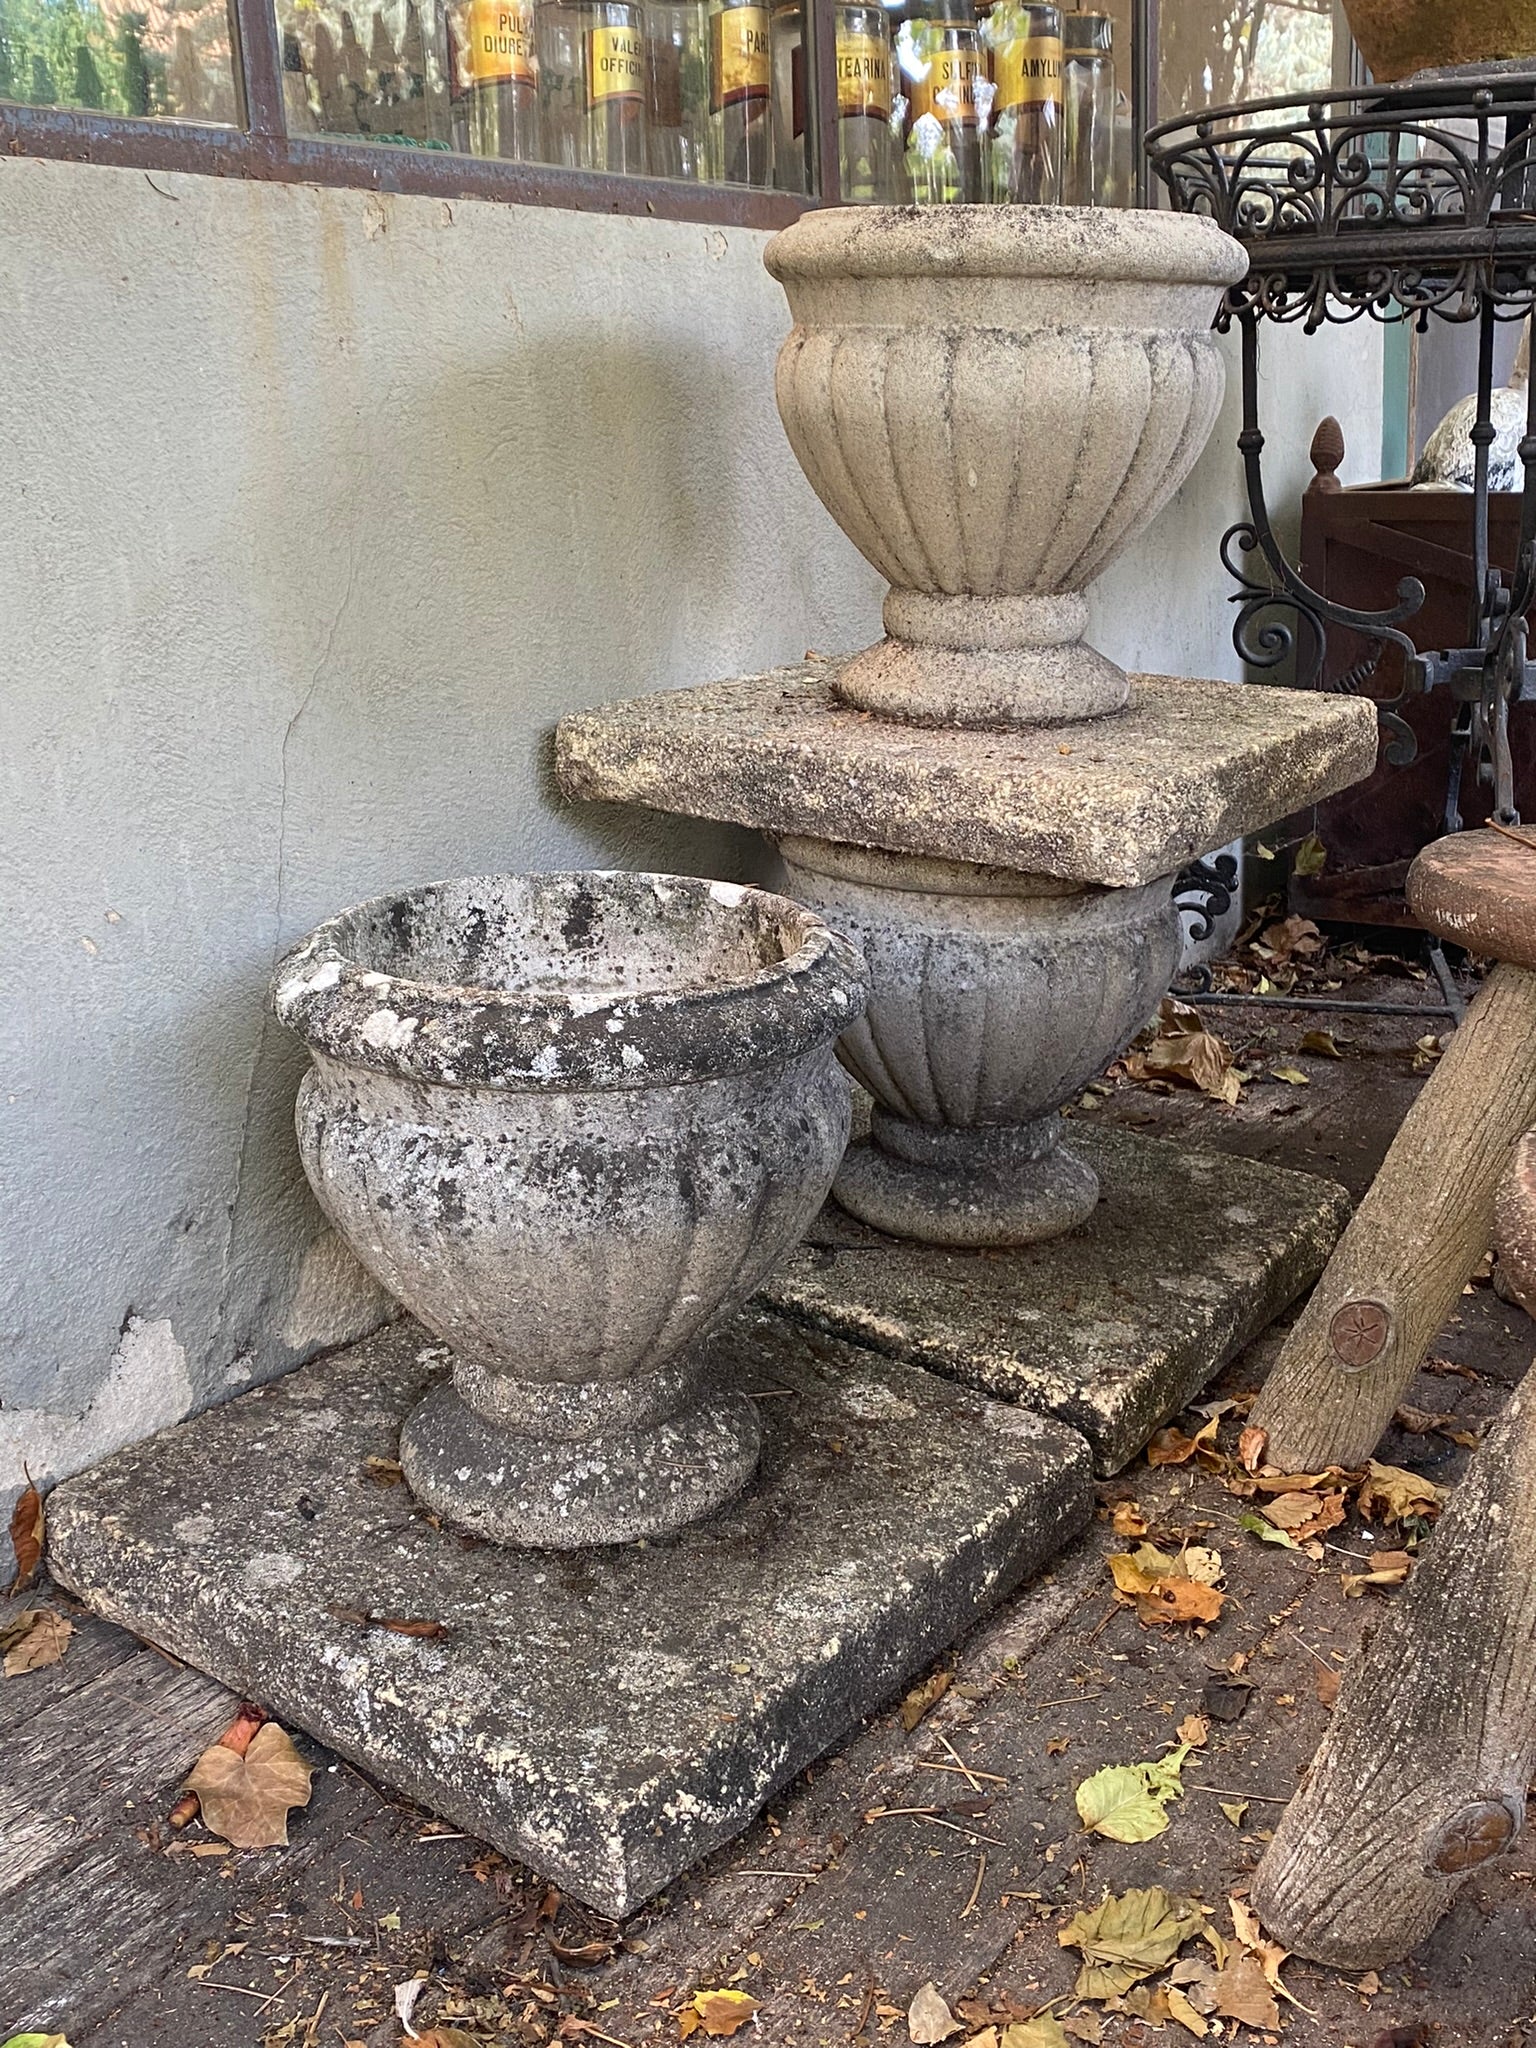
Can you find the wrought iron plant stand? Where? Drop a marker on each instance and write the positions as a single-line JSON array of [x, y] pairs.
[[1406, 202]]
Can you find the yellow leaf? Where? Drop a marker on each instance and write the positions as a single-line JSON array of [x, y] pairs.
[[1180, 2009], [923, 1697], [1043, 2031], [35, 2041], [1310, 858], [1171, 1447], [1293, 1075], [1115, 1802], [1197, 1563], [1174, 1600], [722, 2012], [1128, 1520], [1269, 1955], [1234, 1809], [246, 1798], [1321, 1042], [1126, 1938]]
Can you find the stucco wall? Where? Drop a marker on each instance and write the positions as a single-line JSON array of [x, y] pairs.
[[318, 510]]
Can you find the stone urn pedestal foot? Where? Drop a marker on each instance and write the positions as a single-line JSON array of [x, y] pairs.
[[996, 1184], [639, 1468]]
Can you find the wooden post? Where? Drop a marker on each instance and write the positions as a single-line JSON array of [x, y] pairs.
[[1415, 1240], [1424, 1770]]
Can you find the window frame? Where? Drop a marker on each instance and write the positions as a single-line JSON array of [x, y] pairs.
[[263, 148]]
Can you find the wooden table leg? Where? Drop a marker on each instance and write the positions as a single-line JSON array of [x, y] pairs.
[[1414, 1241], [1424, 1770]]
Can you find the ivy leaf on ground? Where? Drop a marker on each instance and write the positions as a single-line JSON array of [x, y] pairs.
[[1127, 1802], [1394, 1495], [929, 2019], [1126, 1938], [246, 1797], [34, 1640], [26, 1538], [719, 2013]]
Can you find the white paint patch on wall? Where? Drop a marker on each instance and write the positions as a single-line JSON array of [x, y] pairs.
[[146, 1388]]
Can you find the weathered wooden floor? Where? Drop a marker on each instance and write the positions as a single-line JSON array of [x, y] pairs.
[[833, 1909]]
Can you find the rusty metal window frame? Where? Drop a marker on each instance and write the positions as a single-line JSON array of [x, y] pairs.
[[264, 149]]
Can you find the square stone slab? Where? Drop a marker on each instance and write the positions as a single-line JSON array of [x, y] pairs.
[[608, 1716], [1188, 766], [1111, 1328]]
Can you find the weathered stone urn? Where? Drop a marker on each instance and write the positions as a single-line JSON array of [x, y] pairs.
[[1400, 37], [990, 401], [570, 1121]]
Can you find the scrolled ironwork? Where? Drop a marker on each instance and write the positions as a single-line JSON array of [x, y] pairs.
[[1204, 891]]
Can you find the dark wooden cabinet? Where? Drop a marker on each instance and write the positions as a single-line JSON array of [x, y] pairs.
[[1357, 544]]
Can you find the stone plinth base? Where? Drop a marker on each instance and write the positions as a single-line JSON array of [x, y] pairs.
[[1114, 1326], [608, 1716]]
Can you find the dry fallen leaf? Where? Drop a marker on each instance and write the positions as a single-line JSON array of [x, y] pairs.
[[1388, 1568], [1174, 1600], [1180, 2009], [1185, 1050], [449, 2037], [1322, 1042], [246, 1799], [1258, 1525], [1268, 1954], [359, 1617], [1234, 1809], [1171, 1446], [1395, 1495], [1242, 1994], [1327, 1685], [26, 1538], [929, 2019], [1085, 2026], [1043, 2031], [1192, 1730], [1293, 1076], [1128, 1520], [1126, 1938], [723, 2013], [384, 1471], [35, 1639], [1251, 1444], [923, 1697], [1305, 1515]]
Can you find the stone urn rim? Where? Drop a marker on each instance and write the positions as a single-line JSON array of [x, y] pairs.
[[712, 1016], [1087, 245]]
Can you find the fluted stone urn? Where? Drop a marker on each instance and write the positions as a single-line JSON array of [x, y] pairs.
[[570, 1121], [991, 401]]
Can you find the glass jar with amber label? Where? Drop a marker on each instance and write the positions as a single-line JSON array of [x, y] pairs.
[[495, 79], [867, 151], [677, 50], [740, 71], [1024, 45], [592, 84], [941, 71]]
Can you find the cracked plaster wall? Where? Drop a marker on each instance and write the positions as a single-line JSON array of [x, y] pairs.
[[319, 509]]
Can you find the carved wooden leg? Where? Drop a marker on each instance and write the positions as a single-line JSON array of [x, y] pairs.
[[1424, 1224], [1424, 1770]]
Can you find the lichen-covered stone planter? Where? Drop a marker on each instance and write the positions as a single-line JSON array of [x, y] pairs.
[[570, 1121], [993, 997], [991, 401]]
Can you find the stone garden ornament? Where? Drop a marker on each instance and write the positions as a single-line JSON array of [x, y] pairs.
[[570, 1121]]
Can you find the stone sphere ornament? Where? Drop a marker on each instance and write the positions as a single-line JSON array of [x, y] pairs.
[[570, 1121], [991, 401]]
